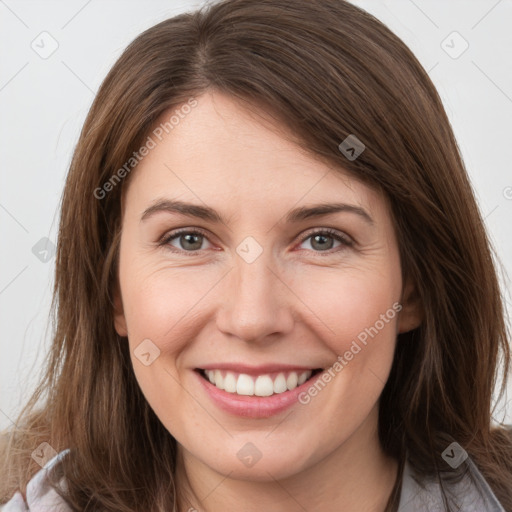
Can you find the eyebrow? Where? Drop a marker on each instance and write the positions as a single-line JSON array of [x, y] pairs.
[[295, 215]]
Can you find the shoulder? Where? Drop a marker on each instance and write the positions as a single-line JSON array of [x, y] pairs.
[[471, 493], [40, 495]]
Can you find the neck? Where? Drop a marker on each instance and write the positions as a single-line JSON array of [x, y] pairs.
[[355, 477]]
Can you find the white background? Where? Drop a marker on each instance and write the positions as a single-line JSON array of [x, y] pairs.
[[43, 103]]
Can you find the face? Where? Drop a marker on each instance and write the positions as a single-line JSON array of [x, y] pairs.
[[236, 284]]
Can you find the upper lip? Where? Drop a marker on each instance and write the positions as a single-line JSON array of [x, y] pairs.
[[259, 369]]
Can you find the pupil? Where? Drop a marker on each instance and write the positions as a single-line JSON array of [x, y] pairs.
[[322, 237], [189, 239]]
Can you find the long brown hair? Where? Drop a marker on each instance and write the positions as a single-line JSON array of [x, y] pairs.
[[325, 69]]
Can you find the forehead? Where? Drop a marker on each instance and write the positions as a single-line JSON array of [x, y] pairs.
[[238, 158]]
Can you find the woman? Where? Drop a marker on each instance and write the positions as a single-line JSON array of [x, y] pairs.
[[274, 289]]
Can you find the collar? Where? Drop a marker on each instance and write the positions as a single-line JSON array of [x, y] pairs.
[[471, 494]]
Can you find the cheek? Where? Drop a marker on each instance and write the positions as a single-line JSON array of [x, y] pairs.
[[349, 304], [162, 303], [358, 311]]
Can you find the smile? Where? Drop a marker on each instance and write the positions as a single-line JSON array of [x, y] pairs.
[[262, 385], [256, 392]]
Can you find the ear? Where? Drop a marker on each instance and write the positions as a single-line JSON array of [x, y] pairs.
[[411, 314], [119, 318]]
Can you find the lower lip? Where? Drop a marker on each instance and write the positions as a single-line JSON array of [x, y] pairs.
[[254, 406]]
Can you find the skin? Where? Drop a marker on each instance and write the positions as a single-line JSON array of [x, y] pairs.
[[299, 303]]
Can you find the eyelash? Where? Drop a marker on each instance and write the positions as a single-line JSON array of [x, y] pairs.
[[344, 240]]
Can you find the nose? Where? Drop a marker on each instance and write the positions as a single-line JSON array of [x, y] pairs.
[[255, 303]]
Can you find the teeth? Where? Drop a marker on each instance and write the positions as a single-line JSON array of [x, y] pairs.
[[218, 379], [245, 385], [303, 377], [229, 382], [280, 384], [291, 381], [263, 385]]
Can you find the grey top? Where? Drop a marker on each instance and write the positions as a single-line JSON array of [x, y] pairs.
[[472, 494], [40, 496]]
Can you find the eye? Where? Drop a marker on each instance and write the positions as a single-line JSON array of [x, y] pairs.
[[185, 240], [323, 240], [188, 240]]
